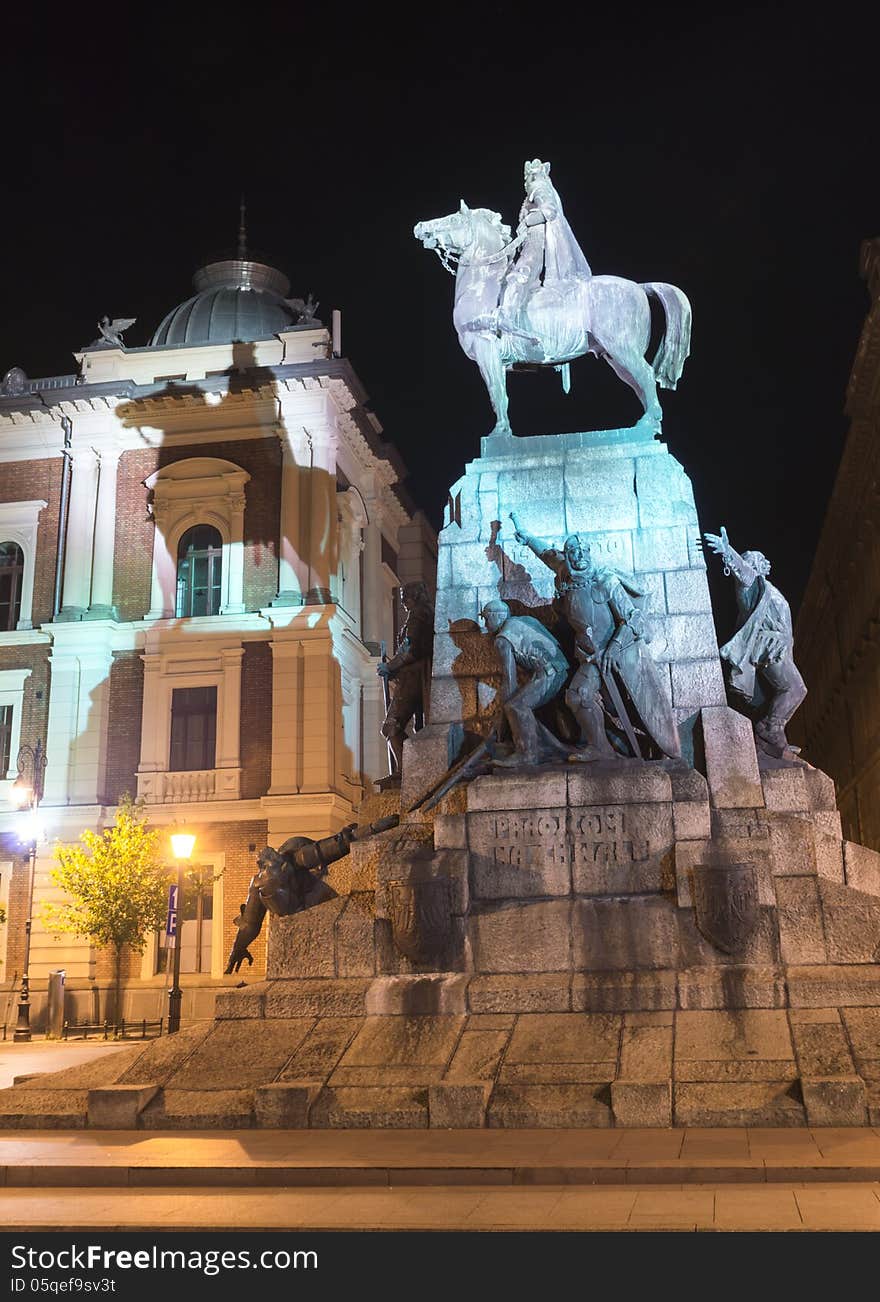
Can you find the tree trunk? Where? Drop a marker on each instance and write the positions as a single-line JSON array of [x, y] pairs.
[[117, 984]]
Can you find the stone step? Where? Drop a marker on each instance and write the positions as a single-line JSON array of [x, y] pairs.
[[401, 1158]]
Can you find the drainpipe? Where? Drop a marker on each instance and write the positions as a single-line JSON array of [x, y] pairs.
[[66, 470]]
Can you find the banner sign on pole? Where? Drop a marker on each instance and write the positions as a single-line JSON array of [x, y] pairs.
[[171, 920]]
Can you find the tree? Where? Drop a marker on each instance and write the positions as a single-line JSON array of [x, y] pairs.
[[116, 885]]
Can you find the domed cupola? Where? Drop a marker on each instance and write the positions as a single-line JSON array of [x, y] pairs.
[[238, 298]]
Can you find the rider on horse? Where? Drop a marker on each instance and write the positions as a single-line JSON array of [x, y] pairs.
[[548, 246]]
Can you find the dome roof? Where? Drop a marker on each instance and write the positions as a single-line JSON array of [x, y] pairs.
[[238, 299]]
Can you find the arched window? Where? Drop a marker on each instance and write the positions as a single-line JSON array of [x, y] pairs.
[[11, 575], [199, 570]]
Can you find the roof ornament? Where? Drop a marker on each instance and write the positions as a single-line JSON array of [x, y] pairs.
[[14, 384], [111, 332]]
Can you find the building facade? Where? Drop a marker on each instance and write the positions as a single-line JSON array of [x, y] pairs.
[[201, 542], [837, 635]]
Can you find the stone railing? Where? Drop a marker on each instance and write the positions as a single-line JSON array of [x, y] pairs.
[[188, 787]]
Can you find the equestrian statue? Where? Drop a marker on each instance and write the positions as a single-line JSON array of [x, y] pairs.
[[533, 301]]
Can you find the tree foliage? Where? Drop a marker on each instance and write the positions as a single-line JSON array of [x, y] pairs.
[[116, 883]]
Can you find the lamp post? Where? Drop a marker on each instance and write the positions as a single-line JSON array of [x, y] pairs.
[[181, 847], [27, 792]]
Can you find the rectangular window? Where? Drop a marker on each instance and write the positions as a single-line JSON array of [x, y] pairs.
[[389, 556], [193, 728], [195, 922], [5, 739]]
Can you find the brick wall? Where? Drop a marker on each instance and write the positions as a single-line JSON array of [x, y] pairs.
[[124, 732], [35, 701], [256, 719], [261, 458], [29, 481]]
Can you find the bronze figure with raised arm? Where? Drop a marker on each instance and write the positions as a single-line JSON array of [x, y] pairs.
[[611, 645], [759, 656]]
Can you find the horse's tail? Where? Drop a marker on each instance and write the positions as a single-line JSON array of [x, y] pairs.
[[669, 360]]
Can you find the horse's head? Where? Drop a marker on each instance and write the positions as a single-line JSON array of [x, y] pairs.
[[452, 234]]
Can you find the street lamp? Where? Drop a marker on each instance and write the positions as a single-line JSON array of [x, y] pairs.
[[27, 792], [181, 847]]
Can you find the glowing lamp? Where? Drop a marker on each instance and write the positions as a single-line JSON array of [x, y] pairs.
[[182, 844], [22, 793]]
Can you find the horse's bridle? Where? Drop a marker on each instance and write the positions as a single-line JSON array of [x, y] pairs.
[[451, 261]]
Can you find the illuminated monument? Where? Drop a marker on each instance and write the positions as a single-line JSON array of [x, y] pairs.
[[605, 904]]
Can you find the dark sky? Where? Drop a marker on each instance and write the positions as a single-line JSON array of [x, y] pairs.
[[732, 153]]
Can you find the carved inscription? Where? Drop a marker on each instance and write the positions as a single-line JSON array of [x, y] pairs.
[[529, 840], [602, 837]]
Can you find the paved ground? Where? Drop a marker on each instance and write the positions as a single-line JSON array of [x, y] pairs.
[[537, 1180], [724, 1179], [49, 1055]]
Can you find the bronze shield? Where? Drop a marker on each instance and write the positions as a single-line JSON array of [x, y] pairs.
[[726, 903], [420, 913]]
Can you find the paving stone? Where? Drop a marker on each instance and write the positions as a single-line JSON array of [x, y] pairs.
[[618, 782], [531, 992], [381, 1108], [284, 1105], [24, 1108], [303, 945], [645, 1052], [835, 1101], [863, 1029], [801, 933], [477, 1056], [104, 1070], [829, 855], [732, 987], [450, 832], [383, 1042], [611, 992], [248, 1002], [425, 759], [862, 868], [320, 1050], [852, 923], [534, 937], [542, 790], [199, 1109], [564, 1038], [457, 1106], [621, 849], [493, 1021], [696, 683], [683, 639], [550, 1106], [355, 945], [641, 1103], [822, 1049], [601, 491], [161, 1058], [687, 592], [793, 842], [317, 998], [660, 548], [691, 821], [759, 1035], [731, 761], [629, 932], [821, 789], [761, 1103], [237, 1055], [117, 1107], [785, 789], [840, 985], [427, 993], [519, 853], [687, 783]]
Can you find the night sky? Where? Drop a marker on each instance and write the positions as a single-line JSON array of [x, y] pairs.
[[733, 154]]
